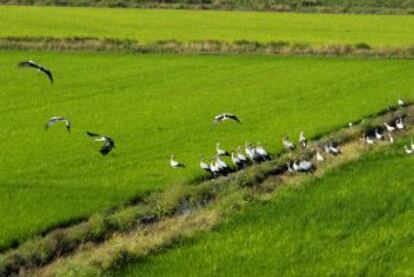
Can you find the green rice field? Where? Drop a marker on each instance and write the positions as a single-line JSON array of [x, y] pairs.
[[159, 25], [156, 105], [355, 221]]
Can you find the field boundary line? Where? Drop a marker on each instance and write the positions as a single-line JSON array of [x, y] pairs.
[[282, 48], [304, 6]]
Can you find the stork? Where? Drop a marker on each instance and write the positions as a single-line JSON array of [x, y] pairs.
[[368, 140], [287, 144], [305, 166], [241, 157], [249, 151], [56, 119], [389, 127], [331, 149], [215, 169], [236, 161], [378, 135], [409, 151], [289, 167], [399, 123], [38, 67], [302, 140], [226, 116], [401, 102], [262, 152], [222, 165], [175, 164], [220, 151], [319, 157], [390, 137], [204, 166], [108, 145]]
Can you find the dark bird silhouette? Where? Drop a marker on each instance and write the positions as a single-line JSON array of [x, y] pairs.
[[57, 119], [108, 145], [226, 116], [38, 67]]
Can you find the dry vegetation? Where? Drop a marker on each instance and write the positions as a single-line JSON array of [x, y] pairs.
[[202, 47]]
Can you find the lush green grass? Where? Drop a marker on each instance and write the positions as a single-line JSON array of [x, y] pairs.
[[154, 106], [356, 221], [154, 25]]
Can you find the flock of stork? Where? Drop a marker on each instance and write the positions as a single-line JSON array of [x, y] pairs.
[[108, 143], [253, 154]]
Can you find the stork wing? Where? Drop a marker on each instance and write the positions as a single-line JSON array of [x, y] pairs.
[[234, 117], [93, 134], [48, 73], [28, 64], [52, 121]]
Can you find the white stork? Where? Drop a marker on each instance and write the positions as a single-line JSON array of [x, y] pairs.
[[220, 151], [175, 164]]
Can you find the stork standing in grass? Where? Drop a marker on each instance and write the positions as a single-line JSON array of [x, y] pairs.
[[401, 102], [262, 152], [220, 151], [330, 148], [214, 169], [224, 168], [319, 156], [389, 128], [236, 161], [249, 151], [204, 166], [390, 138], [408, 151], [378, 135], [302, 140], [368, 140], [174, 163], [288, 144], [242, 157], [399, 123]]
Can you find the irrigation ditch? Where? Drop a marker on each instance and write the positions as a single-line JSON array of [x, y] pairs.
[[108, 240]]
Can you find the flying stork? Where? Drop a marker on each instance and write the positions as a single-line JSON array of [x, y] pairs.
[[226, 116], [56, 119], [108, 145], [38, 67]]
